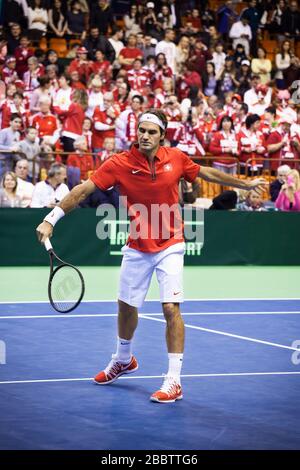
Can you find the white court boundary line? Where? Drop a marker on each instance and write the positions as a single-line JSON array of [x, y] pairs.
[[99, 315], [137, 377], [229, 299], [223, 333]]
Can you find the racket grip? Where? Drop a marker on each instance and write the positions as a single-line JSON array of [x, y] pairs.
[[48, 245]]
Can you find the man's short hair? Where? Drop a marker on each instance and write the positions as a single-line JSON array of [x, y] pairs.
[[251, 119], [138, 97], [55, 168], [271, 110], [29, 128], [15, 116]]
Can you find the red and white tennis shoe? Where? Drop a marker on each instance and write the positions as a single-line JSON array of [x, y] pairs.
[[169, 392], [114, 370]]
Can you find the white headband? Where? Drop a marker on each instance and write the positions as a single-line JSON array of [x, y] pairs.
[[149, 117]]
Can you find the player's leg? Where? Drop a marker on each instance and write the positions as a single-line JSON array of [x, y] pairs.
[[136, 272], [169, 272]]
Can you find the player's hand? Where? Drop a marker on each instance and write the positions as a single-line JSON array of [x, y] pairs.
[[44, 231], [258, 185]]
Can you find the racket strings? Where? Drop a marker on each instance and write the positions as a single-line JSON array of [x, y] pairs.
[[66, 288]]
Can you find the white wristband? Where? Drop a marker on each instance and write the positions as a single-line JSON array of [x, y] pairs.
[[54, 216]]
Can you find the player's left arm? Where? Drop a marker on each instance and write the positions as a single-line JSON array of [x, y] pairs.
[[213, 175]]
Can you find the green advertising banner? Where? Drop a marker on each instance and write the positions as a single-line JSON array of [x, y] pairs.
[[212, 238]]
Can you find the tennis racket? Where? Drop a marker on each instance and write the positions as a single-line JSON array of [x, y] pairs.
[[66, 284]]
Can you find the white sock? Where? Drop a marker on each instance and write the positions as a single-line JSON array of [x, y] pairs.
[[124, 347], [175, 364]]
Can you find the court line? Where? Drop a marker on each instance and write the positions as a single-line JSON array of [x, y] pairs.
[[229, 299], [97, 315], [137, 377], [223, 333]]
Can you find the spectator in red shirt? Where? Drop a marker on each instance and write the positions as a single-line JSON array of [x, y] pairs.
[[282, 145], [224, 145], [45, 122], [103, 68], [129, 53], [108, 150], [22, 54], [9, 73], [30, 78], [17, 106], [81, 161], [6, 104], [75, 82], [199, 55], [104, 121], [82, 65], [162, 70], [138, 77], [251, 144], [73, 119], [188, 80], [121, 94]]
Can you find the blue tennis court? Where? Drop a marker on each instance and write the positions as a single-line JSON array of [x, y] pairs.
[[241, 378]]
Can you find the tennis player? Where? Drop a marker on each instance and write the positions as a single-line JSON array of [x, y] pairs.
[[148, 175]]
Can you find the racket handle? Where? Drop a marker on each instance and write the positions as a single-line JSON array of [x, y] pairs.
[[48, 245]]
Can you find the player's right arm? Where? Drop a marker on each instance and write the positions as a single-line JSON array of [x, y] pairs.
[[69, 202]]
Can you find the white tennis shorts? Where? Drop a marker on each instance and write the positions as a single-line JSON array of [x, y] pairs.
[[137, 269]]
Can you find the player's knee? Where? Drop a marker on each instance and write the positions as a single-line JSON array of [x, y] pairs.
[[126, 309], [171, 311]]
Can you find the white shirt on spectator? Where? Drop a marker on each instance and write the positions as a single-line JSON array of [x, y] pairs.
[[117, 45], [44, 194], [235, 33], [33, 15], [24, 191], [218, 60], [169, 49], [95, 99], [251, 97], [62, 98]]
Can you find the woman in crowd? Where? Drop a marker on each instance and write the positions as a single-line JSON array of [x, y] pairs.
[[289, 196], [57, 20], [8, 190], [37, 19], [209, 80], [224, 145], [73, 119], [132, 21], [182, 53], [262, 66], [283, 61]]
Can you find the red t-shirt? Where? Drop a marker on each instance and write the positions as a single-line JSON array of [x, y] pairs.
[[46, 124], [146, 186], [130, 53], [84, 162]]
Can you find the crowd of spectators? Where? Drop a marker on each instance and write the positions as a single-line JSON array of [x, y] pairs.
[[205, 64]]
